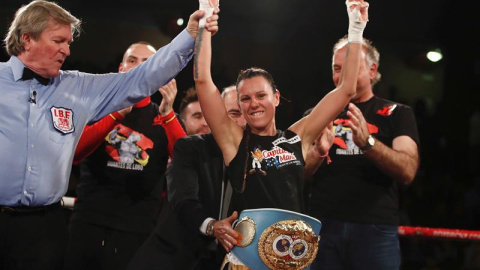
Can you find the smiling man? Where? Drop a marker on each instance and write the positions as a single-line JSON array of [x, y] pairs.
[[44, 111]]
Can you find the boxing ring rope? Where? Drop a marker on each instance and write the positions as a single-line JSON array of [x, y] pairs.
[[438, 233], [405, 231]]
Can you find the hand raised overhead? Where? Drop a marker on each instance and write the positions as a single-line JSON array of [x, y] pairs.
[[211, 22], [209, 7], [358, 17]]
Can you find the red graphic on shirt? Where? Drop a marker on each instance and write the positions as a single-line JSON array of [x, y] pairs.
[[387, 110], [344, 135], [127, 145]]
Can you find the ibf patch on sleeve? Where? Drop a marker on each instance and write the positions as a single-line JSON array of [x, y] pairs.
[[62, 119]]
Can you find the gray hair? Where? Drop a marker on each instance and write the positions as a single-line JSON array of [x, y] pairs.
[[33, 19], [227, 90], [372, 54]]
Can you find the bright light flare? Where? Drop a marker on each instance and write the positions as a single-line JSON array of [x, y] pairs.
[[180, 22], [434, 56]]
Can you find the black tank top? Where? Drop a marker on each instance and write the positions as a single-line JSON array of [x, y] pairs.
[[273, 166]]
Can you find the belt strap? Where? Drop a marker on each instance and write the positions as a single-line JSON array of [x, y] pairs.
[[19, 210]]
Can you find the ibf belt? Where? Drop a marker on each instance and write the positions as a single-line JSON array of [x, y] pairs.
[[276, 239]]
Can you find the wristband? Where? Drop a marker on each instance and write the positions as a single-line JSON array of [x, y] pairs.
[[168, 115], [113, 117], [117, 117], [329, 160], [169, 120]]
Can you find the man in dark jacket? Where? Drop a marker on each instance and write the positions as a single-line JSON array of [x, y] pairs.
[[195, 191]]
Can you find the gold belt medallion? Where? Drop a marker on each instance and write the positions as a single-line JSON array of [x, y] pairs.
[[288, 244]]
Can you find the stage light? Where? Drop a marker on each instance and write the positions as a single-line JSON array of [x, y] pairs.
[[180, 22], [435, 56]]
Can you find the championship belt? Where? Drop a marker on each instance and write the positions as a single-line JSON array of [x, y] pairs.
[[276, 239]]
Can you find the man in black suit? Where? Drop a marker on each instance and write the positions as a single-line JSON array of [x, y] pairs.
[[181, 239]]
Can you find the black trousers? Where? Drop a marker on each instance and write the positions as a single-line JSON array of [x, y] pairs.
[[33, 239], [94, 247], [171, 246]]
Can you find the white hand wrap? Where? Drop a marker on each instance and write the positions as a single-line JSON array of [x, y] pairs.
[[356, 23], [205, 5]]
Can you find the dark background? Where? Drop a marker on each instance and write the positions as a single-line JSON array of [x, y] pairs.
[[292, 39]]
